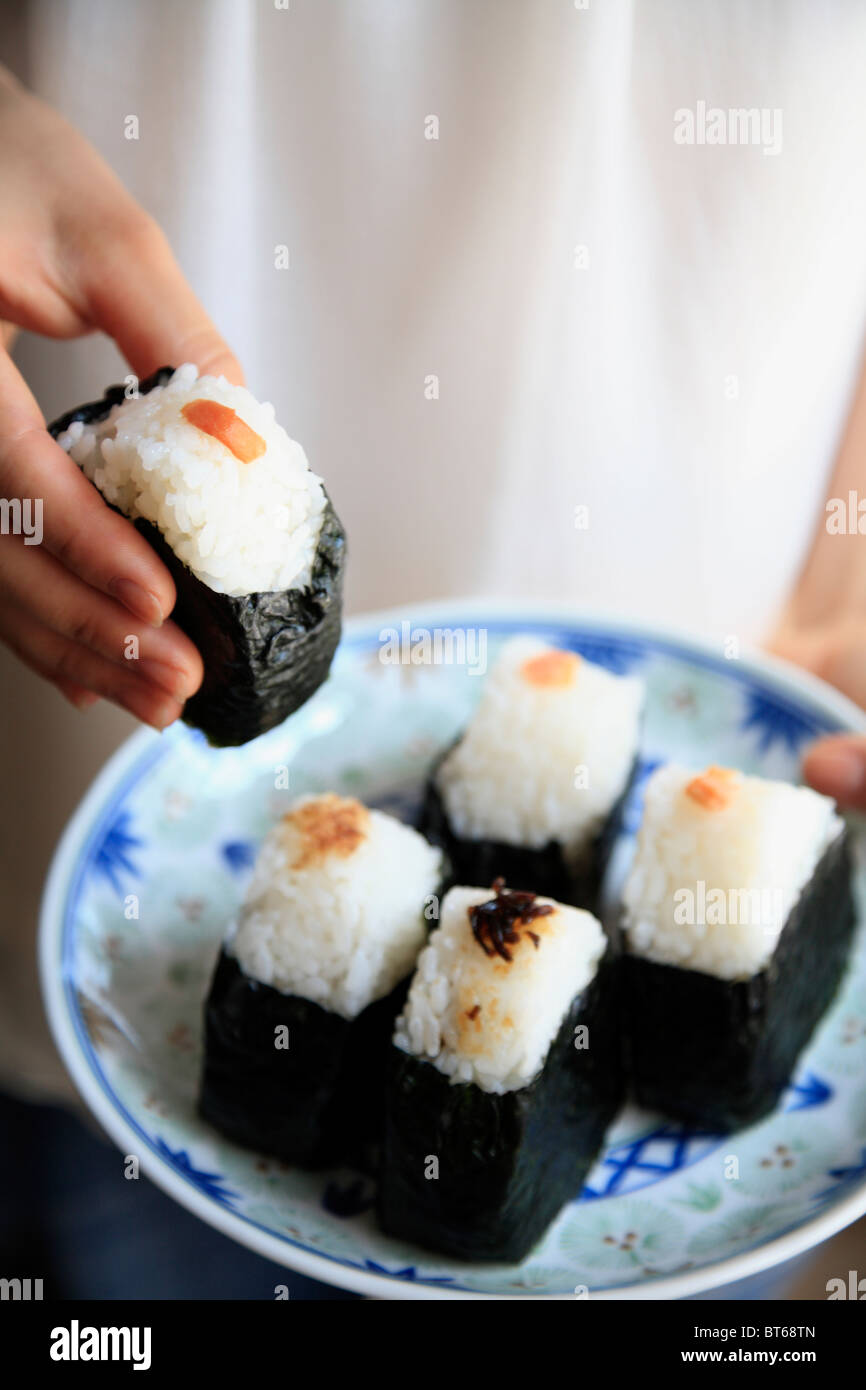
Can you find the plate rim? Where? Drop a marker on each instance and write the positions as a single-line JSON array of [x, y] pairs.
[[782, 675]]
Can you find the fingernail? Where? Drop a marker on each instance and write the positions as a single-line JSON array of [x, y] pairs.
[[158, 713], [166, 714], [169, 678], [139, 601], [839, 771], [81, 699]]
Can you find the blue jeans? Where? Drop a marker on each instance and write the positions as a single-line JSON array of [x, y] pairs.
[[68, 1217]]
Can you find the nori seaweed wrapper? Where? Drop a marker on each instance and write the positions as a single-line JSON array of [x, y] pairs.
[[719, 1053], [315, 1103], [264, 654], [506, 1163], [546, 870]]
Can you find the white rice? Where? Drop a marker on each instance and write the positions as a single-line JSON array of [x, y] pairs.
[[482, 1019], [735, 869], [540, 763], [335, 907], [240, 527]]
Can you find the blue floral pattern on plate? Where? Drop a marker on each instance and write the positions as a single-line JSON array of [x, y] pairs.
[[180, 824], [114, 858]]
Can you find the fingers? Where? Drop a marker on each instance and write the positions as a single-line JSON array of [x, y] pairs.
[[85, 535], [79, 253], [136, 292], [837, 767], [844, 664], [36, 585], [76, 694], [837, 654], [76, 579], [81, 590], [834, 766], [73, 668]]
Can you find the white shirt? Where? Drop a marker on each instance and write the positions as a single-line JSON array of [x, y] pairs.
[[554, 304]]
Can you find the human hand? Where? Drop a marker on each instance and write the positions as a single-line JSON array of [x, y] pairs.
[[78, 254], [835, 765]]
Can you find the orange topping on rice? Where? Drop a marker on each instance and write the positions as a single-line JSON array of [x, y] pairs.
[[713, 789], [331, 826], [552, 669], [224, 424]]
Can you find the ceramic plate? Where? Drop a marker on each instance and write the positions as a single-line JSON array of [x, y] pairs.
[[155, 861]]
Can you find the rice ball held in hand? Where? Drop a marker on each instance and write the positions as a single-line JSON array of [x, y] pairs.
[[228, 502], [738, 915], [533, 790], [307, 986], [504, 1074]]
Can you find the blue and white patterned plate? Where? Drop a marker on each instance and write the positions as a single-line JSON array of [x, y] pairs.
[[154, 863]]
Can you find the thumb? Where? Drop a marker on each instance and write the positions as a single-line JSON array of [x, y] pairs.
[[836, 766], [138, 295]]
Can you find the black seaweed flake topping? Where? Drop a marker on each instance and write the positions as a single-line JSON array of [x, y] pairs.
[[494, 923]]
